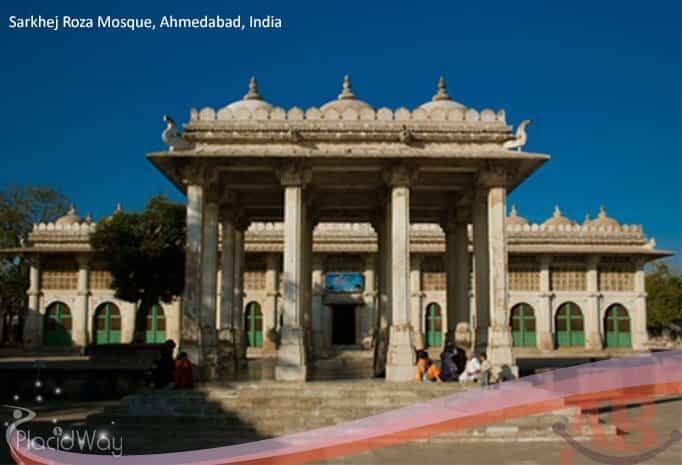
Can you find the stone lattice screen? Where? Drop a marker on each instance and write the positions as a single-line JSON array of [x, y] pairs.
[[59, 279], [100, 279], [524, 274], [568, 273], [433, 274], [616, 274]]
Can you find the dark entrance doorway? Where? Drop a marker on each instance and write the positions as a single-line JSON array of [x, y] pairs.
[[343, 324]]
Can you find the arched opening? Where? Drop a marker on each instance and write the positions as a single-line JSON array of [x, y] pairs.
[[156, 325], [523, 325], [569, 326], [617, 327], [107, 322], [253, 324], [434, 325], [57, 325]]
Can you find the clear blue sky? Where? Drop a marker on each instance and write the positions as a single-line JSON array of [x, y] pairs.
[[600, 80]]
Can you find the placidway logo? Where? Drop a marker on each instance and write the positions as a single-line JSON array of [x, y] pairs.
[[83, 441]]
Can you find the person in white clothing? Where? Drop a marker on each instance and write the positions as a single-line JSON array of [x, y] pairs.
[[472, 371]]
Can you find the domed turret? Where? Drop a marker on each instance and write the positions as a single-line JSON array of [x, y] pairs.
[[71, 217], [515, 219], [252, 101], [442, 100], [557, 219], [346, 100], [604, 220]]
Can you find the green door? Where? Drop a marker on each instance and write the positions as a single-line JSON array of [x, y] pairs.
[[107, 324], [569, 326], [57, 325], [434, 326], [254, 325], [617, 327], [156, 325], [523, 326]]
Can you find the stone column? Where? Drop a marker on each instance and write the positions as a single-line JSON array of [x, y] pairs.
[[382, 311], [640, 335], [544, 319], [240, 226], [481, 268], [593, 334], [270, 314], [226, 347], [191, 301], [317, 317], [370, 297], [33, 325], [209, 270], [457, 277], [400, 360], [499, 334], [307, 250], [81, 322], [291, 356], [417, 296]]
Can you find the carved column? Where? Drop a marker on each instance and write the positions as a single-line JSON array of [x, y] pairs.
[[33, 325], [400, 360], [417, 296], [240, 226], [270, 315], [80, 327], [545, 318], [457, 277], [370, 297], [481, 268], [640, 335], [291, 356], [226, 347], [209, 269], [317, 317], [593, 335], [383, 309]]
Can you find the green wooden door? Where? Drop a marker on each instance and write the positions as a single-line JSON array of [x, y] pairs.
[[523, 326], [569, 326], [617, 327], [156, 325], [254, 325], [57, 325], [107, 324], [434, 326]]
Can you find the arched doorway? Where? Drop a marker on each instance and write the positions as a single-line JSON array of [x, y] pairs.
[[523, 326], [156, 325], [57, 325], [253, 325], [617, 327], [434, 325], [107, 324], [569, 326]]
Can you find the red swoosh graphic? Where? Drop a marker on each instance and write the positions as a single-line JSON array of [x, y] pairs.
[[616, 379]]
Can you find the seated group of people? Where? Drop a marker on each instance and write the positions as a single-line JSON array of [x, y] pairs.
[[455, 365]]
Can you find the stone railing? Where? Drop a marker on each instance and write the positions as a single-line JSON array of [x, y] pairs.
[[626, 229], [77, 228]]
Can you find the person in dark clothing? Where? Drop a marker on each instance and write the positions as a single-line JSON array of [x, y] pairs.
[[183, 372], [460, 360], [164, 368]]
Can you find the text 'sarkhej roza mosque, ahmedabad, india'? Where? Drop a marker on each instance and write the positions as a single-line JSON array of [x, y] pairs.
[[348, 227]]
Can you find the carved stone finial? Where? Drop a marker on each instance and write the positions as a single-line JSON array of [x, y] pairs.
[[253, 90], [172, 136], [557, 211], [119, 208], [587, 219], [513, 212], [72, 210], [88, 218], [520, 137], [346, 92], [602, 211], [442, 93]]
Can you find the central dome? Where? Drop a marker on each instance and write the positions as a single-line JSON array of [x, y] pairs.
[[71, 217], [442, 101], [252, 101], [346, 100], [557, 219]]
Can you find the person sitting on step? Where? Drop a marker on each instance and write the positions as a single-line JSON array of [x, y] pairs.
[[472, 372]]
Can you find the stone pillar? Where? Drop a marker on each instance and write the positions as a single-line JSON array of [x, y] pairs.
[[307, 251], [499, 334], [638, 318], [593, 334], [81, 322], [270, 314], [383, 309], [240, 226], [544, 319], [191, 301], [370, 297], [209, 270], [417, 296], [400, 360], [317, 317], [457, 277], [481, 268], [33, 324], [291, 356], [226, 365]]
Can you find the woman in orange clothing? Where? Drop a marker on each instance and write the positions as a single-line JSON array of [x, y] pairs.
[[427, 371], [183, 372]]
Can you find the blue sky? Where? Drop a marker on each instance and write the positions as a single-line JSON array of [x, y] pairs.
[[600, 80]]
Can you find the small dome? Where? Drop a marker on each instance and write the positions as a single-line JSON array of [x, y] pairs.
[[442, 100], [514, 218], [557, 219], [346, 100], [71, 217], [252, 101], [604, 220]]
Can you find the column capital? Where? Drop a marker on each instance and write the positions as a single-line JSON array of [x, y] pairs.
[[593, 260], [83, 260], [198, 173], [454, 218], [492, 176], [401, 175], [294, 174], [545, 260]]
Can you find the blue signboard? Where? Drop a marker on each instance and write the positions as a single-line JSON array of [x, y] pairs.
[[344, 282]]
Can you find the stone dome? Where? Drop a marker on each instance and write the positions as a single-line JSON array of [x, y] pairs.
[[346, 100], [71, 217], [252, 101], [515, 219], [604, 220], [557, 219], [442, 101]]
